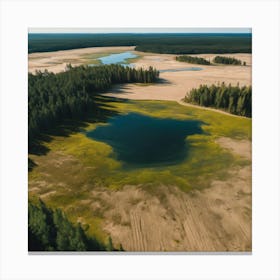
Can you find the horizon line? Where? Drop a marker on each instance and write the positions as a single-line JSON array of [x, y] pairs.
[[244, 30]]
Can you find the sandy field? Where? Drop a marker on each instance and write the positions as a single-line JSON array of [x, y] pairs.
[[215, 219], [174, 85]]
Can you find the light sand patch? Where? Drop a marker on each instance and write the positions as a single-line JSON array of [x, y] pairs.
[[47, 194], [240, 147]]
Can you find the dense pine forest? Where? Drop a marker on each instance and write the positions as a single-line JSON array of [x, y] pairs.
[[228, 60], [50, 230], [72, 94], [53, 99], [192, 59], [233, 99], [173, 43]]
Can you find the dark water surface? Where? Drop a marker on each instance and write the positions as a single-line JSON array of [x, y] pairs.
[[181, 69], [117, 58], [140, 140]]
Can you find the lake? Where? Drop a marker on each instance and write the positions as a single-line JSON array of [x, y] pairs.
[[181, 69], [117, 58], [141, 140], [121, 58]]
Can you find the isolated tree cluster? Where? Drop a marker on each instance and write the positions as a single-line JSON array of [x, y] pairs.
[[192, 59], [217, 59], [228, 60], [233, 99]]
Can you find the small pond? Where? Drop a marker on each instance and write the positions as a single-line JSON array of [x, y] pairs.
[[181, 69], [117, 58], [141, 140]]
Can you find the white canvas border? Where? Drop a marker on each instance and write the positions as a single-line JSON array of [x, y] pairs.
[[18, 16]]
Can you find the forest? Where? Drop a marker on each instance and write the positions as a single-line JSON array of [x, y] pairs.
[[233, 99], [227, 60], [72, 94], [52, 99], [172, 43], [50, 230], [192, 59]]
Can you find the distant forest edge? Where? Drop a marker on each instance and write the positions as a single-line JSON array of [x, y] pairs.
[[233, 99], [170, 43]]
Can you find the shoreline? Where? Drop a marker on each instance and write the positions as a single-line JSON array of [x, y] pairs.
[[210, 109]]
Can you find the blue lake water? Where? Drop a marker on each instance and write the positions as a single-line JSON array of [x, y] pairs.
[[117, 58], [140, 140], [121, 58], [181, 69]]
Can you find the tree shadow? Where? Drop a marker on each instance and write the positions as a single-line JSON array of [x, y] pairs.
[[31, 164], [164, 81], [101, 111]]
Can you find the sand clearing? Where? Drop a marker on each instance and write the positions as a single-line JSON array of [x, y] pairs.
[[174, 85]]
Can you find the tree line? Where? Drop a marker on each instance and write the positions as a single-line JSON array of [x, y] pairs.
[[217, 59], [173, 43], [192, 59], [71, 94], [233, 99], [228, 60], [51, 230]]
